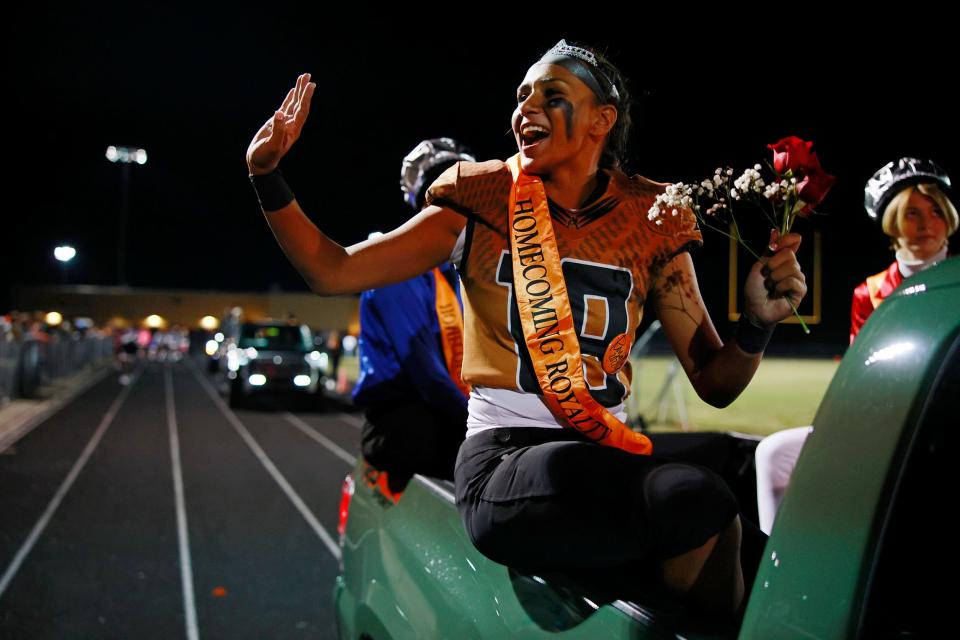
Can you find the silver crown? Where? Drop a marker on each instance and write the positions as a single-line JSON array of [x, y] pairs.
[[570, 51], [564, 49], [894, 176]]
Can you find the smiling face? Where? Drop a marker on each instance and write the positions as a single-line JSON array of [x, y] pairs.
[[923, 227], [558, 121]]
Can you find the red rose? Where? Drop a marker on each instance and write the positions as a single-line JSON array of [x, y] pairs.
[[790, 153], [816, 182]]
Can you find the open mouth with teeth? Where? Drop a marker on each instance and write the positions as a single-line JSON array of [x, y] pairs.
[[532, 135]]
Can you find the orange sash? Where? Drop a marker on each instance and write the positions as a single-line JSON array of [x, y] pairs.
[[547, 320], [451, 329], [379, 481]]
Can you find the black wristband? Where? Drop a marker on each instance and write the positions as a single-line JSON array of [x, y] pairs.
[[752, 338], [272, 190]]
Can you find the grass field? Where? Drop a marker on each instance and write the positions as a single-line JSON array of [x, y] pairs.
[[784, 393]]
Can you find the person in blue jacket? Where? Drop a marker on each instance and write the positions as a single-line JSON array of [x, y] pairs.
[[415, 404]]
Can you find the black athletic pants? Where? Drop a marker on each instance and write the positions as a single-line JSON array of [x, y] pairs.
[[548, 499], [403, 439]]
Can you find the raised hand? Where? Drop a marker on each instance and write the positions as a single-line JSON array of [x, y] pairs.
[[279, 132], [774, 280]]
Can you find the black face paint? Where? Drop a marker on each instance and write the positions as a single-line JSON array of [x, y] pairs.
[[567, 115]]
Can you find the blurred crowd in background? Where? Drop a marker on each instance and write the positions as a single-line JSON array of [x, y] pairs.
[[38, 348]]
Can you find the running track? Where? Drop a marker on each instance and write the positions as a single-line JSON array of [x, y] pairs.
[[154, 511]]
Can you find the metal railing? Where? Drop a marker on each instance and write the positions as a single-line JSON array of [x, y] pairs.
[[27, 364], [10, 349], [671, 388]]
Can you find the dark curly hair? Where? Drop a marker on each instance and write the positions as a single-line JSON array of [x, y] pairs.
[[615, 150], [614, 153]]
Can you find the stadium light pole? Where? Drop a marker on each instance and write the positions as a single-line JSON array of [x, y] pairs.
[[125, 156], [64, 254]]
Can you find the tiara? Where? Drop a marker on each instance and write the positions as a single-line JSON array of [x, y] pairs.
[[564, 49]]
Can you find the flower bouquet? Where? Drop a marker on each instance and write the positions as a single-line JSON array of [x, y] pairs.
[[798, 184]]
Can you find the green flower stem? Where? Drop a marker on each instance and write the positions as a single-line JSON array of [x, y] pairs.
[[786, 221], [788, 218], [743, 244], [772, 220], [803, 324]]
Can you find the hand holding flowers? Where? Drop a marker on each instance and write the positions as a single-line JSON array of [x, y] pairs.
[[798, 185]]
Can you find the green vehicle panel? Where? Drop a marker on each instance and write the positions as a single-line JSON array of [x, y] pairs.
[[834, 566], [821, 556], [409, 571]]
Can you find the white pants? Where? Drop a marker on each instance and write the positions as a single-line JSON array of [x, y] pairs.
[[775, 458]]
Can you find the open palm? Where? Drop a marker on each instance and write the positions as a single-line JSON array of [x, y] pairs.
[[280, 131]]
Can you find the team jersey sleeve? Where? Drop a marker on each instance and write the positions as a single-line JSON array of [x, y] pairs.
[[675, 230], [477, 190], [686, 234]]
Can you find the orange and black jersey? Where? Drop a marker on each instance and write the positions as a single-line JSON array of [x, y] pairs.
[[611, 254]]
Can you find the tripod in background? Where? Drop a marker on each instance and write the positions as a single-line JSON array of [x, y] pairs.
[[672, 386]]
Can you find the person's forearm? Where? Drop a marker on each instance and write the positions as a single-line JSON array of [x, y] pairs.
[[725, 374], [318, 258], [417, 246], [420, 244]]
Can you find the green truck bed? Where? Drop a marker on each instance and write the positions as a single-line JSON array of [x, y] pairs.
[[859, 548]]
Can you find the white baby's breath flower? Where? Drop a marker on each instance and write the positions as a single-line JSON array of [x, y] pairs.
[[749, 181], [714, 209]]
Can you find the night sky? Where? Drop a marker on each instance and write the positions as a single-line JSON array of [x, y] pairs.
[[192, 87]]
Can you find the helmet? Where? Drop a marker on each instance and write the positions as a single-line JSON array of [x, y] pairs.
[[894, 176], [427, 160]]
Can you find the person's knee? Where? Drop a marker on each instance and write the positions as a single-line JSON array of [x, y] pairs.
[[686, 490], [686, 505]]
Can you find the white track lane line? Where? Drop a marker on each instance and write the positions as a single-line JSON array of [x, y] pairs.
[[352, 461], [316, 436], [46, 516], [271, 468], [183, 534], [10, 436], [351, 419]]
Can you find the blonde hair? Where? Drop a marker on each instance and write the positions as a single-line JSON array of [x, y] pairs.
[[897, 209]]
